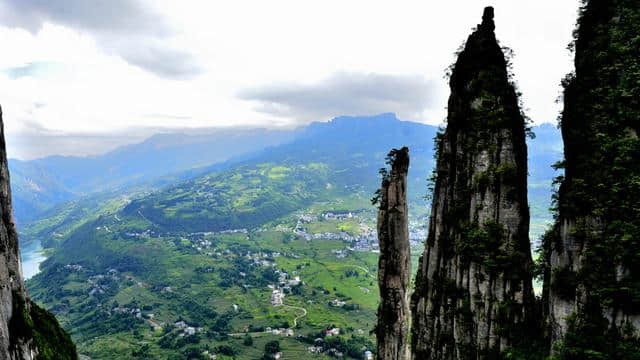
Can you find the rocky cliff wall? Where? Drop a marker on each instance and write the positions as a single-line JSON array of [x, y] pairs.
[[26, 331], [592, 287], [473, 296]]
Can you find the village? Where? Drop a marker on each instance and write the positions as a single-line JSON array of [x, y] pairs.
[[366, 238], [249, 266]]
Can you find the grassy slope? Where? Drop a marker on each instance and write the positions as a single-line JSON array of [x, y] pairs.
[[163, 256], [260, 193], [156, 262]]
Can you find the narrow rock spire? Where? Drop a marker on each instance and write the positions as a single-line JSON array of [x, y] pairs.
[[487, 19], [394, 266], [473, 296]]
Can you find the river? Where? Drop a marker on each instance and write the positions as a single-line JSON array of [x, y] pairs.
[[31, 255]]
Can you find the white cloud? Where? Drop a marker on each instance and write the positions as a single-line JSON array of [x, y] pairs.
[[129, 28], [346, 93], [70, 67]]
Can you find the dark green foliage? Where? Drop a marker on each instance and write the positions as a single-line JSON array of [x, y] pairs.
[[52, 341], [564, 282], [248, 340], [142, 352], [590, 337], [225, 350], [21, 325], [391, 158], [270, 349], [487, 245], [353, 346], [601, 186]]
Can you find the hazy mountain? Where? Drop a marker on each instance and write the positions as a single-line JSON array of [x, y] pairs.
[[42, 183], [39, 185]]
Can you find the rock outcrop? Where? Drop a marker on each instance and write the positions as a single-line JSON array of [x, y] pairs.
[[394, 266], [26, 331], [473, 296], [592, 283]]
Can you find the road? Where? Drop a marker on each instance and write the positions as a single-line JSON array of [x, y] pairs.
[[295, 320]]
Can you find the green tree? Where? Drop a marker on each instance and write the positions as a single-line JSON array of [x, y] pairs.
[[248, 340]]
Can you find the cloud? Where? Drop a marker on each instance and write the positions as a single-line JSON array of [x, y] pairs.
[[153, 56], [32, 146], [35, 69], [346, 93], [127, 28]]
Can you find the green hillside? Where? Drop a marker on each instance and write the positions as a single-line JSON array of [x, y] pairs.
[[128, 267]]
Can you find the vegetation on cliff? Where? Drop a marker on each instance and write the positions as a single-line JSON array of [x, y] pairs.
[[473, 296], [593, 251]]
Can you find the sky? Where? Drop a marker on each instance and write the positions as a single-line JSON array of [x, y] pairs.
[[82, 77]]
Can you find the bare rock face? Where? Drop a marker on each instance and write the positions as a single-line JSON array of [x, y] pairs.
[[13, 297], [473, 296], [592, 283], [394, 266], [26, 331]]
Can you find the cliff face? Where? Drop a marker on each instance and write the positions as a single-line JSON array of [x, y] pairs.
[[592, 282], [394, 266], [26, 331], [473, 296]]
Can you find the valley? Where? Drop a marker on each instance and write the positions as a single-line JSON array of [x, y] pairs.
[[279, 247], [289, 280]]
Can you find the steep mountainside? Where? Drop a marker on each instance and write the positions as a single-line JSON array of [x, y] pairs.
[[330, 141], [26, 331], [42, 183], [332, 158], [593, 251], [473, 297]]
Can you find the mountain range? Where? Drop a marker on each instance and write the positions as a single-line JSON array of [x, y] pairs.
[[41, 184]]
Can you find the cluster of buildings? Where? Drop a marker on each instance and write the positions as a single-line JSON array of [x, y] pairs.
[[284, 285], [137, 312], [417, 233], [144, 234], [288, 332], [277, 297], [320, 346], [262, 258], [74, 267], [367, 238], [186, 329], [99, 284]]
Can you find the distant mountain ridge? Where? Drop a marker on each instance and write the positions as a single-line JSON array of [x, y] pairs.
[[339, 157], [39, 185], [42, 183]]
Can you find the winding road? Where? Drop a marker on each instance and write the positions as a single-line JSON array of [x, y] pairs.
[[295, 320]]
